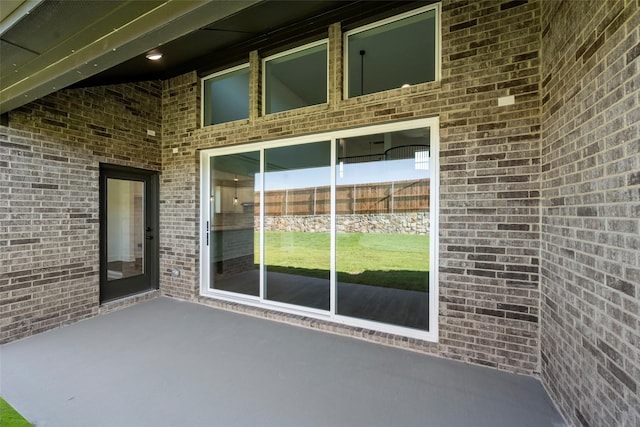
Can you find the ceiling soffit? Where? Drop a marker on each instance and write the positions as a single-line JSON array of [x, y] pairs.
[[47, 45], [65, 42]]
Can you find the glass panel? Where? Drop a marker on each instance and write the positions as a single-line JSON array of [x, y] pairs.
[[226, 97], [296, 80], [234, 220], [125, 228], [382, 227], [392, 55], [297, 224]]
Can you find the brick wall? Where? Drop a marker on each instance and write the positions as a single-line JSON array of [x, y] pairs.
[[49, 218], [590, 237], [489, 230], [539, 200], [179, 189]]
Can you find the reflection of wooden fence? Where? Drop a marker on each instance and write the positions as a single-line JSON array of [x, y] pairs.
[[388, 197]]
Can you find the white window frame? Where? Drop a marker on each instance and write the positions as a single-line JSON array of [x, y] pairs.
[[438, 53], [214, 75], [286, 53], [330, 315]]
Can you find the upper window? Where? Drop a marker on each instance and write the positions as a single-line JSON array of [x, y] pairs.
[[226, 96], [296, 78], [393, 53]]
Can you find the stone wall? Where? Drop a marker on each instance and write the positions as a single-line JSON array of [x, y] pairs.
[[489, 189], [414, 223], [590, 239], [49, 205]]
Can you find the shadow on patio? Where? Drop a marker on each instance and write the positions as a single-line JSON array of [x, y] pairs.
[[170, 363]]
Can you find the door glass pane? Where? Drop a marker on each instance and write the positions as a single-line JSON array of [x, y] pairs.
[[297, 224], [125, 228], [234, 223], [382, 227]]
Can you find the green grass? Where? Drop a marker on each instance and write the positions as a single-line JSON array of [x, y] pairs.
[[9, 417], [389, 260]]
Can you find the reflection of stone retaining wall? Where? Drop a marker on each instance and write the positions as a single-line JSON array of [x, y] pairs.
[[406, 223]]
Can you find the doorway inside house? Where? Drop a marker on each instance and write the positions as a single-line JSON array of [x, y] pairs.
[[128, 231]]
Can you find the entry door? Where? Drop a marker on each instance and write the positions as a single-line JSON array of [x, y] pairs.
[[128, 231]]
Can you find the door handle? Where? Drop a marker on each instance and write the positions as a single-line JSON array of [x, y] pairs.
[[149, 237]]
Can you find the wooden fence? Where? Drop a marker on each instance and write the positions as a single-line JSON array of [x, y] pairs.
[[388, 197]]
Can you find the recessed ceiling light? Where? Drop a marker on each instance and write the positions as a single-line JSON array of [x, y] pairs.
[[154, 56]]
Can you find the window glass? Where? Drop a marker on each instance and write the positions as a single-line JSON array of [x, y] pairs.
[[226, 96], [392, 54], [382, 215], [296, 227], [125, 228], [339, 225], [233, 210], [296, 79]]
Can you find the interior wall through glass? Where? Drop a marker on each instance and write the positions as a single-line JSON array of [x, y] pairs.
[[125, 228], [234, 260]]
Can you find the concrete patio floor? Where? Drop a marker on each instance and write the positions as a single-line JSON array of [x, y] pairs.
[[169, 363]]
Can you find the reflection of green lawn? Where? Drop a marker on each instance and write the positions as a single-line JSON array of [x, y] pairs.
[[389, 260]]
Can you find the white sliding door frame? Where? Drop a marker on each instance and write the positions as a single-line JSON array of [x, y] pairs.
[[328, 315]]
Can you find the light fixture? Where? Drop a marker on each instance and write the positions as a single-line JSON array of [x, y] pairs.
[[405, 85], [153, 56], [235, 197]]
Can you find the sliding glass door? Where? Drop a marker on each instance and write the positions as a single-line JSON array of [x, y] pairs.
[[382, 214], [296, 244], [233, 210], [339, 226]]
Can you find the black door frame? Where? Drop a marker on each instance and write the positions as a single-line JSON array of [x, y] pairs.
[[149, 280]]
